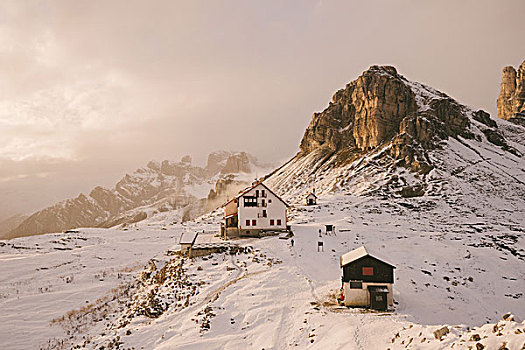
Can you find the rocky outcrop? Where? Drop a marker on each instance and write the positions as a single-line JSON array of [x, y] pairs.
[[381, 106], [163, 186], [381, 125], [511, 100], [363, 114], [216, 161], [237, 163]]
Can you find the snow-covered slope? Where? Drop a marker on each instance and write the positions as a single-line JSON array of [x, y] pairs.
[[440, 193], [453, 269]]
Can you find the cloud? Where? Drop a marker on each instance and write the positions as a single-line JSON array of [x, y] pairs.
[[91, 89]]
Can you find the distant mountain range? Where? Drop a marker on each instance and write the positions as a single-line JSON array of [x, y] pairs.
[[157, 187]]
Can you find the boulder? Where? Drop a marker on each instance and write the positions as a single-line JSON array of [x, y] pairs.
[[441, 332]]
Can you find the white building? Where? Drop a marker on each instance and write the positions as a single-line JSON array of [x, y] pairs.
[[254, 211]]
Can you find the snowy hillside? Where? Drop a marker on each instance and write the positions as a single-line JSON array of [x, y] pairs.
[[433, 186], [269, 295]]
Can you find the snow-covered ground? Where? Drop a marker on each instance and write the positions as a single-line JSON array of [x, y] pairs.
[[43, 277], [453, 268]]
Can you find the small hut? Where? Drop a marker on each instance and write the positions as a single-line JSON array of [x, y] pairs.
[[311, 199], [187, 240], [367, 280]]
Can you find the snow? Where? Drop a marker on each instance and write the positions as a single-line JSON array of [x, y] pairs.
[[357, 253], [43, 277], [274, 296]]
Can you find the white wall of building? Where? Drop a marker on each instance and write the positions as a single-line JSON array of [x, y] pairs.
[[275, 210], [361, 297]]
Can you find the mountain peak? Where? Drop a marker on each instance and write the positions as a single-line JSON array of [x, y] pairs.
[[511, 100], [381, 125], [388, 69], [381, 107]]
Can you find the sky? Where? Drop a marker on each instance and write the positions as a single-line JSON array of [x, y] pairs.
[[93, 89]]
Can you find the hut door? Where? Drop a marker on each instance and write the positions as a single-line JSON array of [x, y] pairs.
[[378, 300]]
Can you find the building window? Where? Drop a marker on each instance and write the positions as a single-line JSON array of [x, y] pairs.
[[250, 201], [263, 203], [272, 222], [356, 285], [278, 222], [254, 222], [264, 214], [269, 200], [263, 193], [247, 222], [368, 271], [256, 193]]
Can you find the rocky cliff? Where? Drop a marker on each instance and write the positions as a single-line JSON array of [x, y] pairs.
[[364, 114], [381, 106], [382, 124], [511, 100], [157, 187]]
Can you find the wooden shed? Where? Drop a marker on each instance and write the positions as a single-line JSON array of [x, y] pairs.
[[311, 199], [367, 280], [187, 240]]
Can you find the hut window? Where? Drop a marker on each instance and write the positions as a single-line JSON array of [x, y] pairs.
[[356, 285], [368, 271], [247, 222], [250, 201]]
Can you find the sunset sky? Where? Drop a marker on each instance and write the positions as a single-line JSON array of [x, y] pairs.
[[91, 90]]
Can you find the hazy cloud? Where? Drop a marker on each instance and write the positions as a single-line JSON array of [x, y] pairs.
[[91, 89]]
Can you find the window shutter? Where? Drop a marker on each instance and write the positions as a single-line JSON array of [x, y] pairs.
[[368, 271]]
